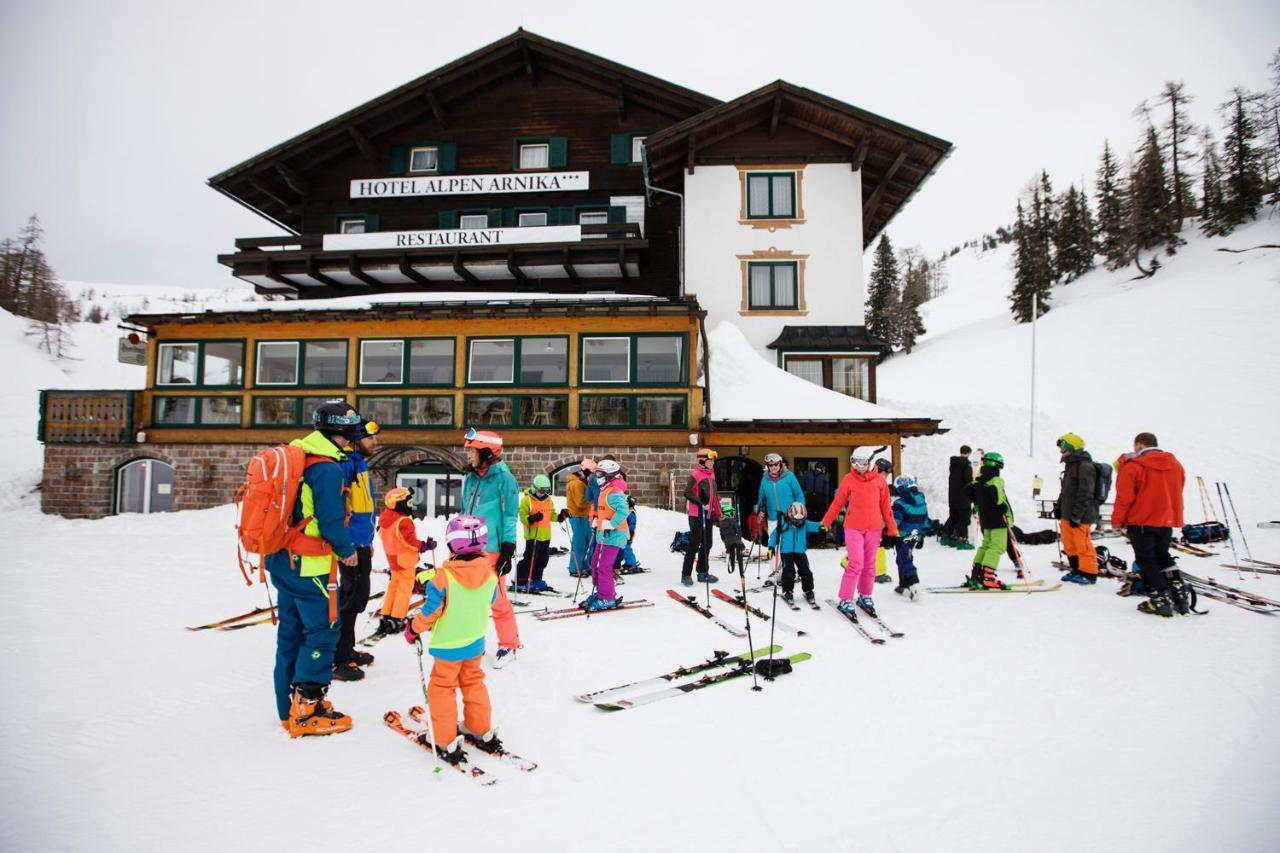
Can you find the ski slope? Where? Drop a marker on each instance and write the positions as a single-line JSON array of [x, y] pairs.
[[1062, 721]]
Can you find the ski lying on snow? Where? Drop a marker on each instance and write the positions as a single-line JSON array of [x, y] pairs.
[[691, 602], [1262, 563], [393, 721], [419, 714], [853, 620], [380, 635], [1036, 586], [737, 601], [1266, 524], [705, 681], [1251, 568], [1253, 598], [228, 624], [230, 619], [1192, 549], [769, 582], [1231, 598], [571, 612], [720, 659], [549, 593]]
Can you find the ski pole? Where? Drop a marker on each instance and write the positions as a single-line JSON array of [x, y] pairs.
[[575, 562], [1239, 527], [704, 551], [1204, 508], [1017, 555], [746, 610], [1231, 540], [773, 614], [422, 677]]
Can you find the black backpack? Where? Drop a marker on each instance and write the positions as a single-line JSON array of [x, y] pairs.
[[1102, 482]]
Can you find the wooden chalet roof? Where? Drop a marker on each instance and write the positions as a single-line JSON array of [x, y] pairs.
[[895, 159], [818, 338], [274, 182]]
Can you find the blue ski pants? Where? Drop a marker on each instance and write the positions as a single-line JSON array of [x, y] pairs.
[[305, 638]]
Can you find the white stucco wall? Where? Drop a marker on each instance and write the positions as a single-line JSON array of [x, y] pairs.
[[831, 196]]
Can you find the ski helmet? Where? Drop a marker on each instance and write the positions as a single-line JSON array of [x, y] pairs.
[[466, 534], [609, 468], [991, 459], [884, 466], [727, 508], [397, 495], [483, 440], [904, 482], [861, 458], [541, 486], [336, 417], [772, 459], [797, 512], [707, 453], [1071, 442]]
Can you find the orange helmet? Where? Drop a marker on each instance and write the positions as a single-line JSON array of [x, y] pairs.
[[483, 440], [394, 496]]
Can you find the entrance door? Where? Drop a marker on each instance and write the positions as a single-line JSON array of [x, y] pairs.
[[738, 477], [144, 485], [437, 489], [819, 478]]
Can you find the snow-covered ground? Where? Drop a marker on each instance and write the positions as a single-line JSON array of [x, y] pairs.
[[1062, 721]]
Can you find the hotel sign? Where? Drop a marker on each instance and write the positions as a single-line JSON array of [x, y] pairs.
[[453, 237], [520, 182]]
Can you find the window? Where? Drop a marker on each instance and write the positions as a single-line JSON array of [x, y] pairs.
[[659, 359], [532, 219], [208, 363], [518, 411], [637, 148], [277, 363], [593, 217], [197, 411], [411, 411], [526, 361], [324, 363], [424, 159], [431, 411], [601, 410], [772, 285], [285, 411], [771, 196], [535, 155], [387, 411], [431, 362], [144, 485], [849, 375], [473, 220], [351, 225], [606, 359], [381, 362]]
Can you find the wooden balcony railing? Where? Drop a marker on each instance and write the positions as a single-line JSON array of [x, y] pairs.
[[86, 417]]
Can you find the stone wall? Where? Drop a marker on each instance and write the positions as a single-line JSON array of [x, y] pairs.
[[79, 479]]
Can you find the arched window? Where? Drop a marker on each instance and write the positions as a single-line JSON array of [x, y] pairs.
[[561, 477], [144, 485], [437, 488]]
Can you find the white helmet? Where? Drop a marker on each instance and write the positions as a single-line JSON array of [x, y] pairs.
[[861, 457], [609, 468], [797, 512]]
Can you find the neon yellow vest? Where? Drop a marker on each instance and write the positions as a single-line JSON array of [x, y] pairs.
[[466, 613]]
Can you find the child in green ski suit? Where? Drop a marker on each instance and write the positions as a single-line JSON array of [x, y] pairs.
[[995, 517]]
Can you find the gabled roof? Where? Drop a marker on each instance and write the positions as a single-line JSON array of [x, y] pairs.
[[270, 182], [895, 159], [835, 338]]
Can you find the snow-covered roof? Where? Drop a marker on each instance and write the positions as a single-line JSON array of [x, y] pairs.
[[745, 386]]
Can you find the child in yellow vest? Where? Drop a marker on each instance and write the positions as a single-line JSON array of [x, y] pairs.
[[536, 510], [459, 596]]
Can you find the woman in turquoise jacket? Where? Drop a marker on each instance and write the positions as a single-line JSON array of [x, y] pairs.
[[779, 489]]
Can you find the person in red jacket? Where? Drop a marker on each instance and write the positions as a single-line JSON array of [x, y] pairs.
[[1148, 506], [864, 497]]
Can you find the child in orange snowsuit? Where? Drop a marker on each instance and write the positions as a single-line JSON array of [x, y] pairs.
[[401, 545]]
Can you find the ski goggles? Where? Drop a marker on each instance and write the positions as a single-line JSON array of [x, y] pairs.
[[470, 434], [371, 429], [349, 419], [708, 454]]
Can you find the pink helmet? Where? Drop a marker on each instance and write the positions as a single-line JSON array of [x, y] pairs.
[[466, 534]]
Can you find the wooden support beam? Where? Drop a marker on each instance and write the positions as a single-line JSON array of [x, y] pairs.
[[436, 109], [817, 130], [407, 270], [514, 269], [873, 202], [353, 267], [860, 156], [461, 270], [568, 267], [622, 264], [296, 182], [622, 102], [777, 112], [362, 142], [313, 270], [527, 56], [270, 273], [267, 191], [692, 149]]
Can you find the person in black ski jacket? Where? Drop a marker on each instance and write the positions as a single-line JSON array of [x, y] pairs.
[[955, 532], [1077, 509]]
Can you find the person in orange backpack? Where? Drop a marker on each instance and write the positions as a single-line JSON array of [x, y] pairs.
[[459, 596], [401, 545], [864, 497], [309, 626]]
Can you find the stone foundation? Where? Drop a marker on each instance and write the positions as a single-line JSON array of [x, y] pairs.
[[79, 479]]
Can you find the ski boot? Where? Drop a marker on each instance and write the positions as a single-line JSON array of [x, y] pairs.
[[982, 577], [540, 586], [585, 604], [310, 714], [361, 658], [504, 656], [868, 606], [884, 578], [947, 541], [451, 754], [1157, 605], [348, 671], [788, 598], [964, 545], [598, 604], [686, 580], [1178, 597], [809, 599], [847, 607], [1074, 576], [487, 742], [707, 577]]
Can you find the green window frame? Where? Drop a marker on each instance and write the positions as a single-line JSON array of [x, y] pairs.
[[373, 407], [634, 358], [301, 346], [406, 363], [518, 361], [622, 147], [638, 407], [446, 157], [557, 151], [202, 407], [773, 302], [516, 411], [297, 406], [370, 221], [199, 366], [771, 197]]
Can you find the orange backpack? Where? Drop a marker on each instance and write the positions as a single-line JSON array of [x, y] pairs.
[[264, 506]]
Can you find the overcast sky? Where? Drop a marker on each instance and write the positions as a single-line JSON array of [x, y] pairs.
[[116, 113]]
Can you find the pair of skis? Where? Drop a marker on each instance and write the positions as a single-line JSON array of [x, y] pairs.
[[740, 603], [718, 660], [229, 624], [691, 602], [572, 612], [1210, 588], [714, 672], [852, 617], [420, 737], [1037, 585]]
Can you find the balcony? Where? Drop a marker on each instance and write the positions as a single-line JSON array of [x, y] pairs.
[[570, 259], [87, 417]]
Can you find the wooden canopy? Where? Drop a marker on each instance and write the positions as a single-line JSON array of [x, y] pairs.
[[779, 122]]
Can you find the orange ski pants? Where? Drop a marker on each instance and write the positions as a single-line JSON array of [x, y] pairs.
[[448, 677], [1077, 543], [399, 591], [504, 615]]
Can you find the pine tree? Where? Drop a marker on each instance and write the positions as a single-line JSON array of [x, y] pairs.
[[1271, 122], [908, 324], [881, 292], [28, 285], [1211, 192], [1047, 216], [1151, 223], [1074, 240], [1178, 131], [1242, 170], [1113, 240], [1030, 274]]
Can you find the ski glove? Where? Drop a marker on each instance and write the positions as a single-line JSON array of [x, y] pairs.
[[415, 628], [890, 542], [1074, 524], [535, 517], [505, 554], [564, 513], [429, 545]]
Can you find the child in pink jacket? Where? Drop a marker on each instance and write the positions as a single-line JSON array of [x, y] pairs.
[[864, 497]]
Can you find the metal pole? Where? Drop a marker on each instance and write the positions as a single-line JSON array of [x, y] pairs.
[[1031, 439]]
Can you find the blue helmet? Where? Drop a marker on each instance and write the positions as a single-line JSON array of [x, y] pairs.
[[904, 482]]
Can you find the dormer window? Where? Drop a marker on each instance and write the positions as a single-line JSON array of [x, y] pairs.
[[535, 155], [425, 159]]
